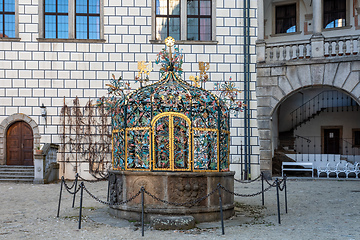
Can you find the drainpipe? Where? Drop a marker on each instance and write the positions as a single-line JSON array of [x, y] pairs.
[[247, 78]]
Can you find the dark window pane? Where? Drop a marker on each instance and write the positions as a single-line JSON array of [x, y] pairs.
[[205, 7], [357, 138], [199, 20], [205, 29], [192, 29], [192, 7], [285, 19], [174, 28], [167, 19], [334, 13]]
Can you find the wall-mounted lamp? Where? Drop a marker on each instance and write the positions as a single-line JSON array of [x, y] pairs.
[[43, 112]]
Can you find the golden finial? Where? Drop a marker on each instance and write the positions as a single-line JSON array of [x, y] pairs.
[[170, 41]]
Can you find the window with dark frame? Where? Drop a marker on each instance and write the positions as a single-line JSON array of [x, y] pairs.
[[7, 16], [356, 137], [199, 20], [87, 19], [167, 19], [56, 18], [285, 17], [334, 13]]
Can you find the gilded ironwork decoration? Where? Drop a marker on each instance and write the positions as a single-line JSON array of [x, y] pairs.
[[170, 125], [144, 72]]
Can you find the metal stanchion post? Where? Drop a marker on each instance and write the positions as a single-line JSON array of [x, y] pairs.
[[278, 201], [108, 192], [142, 211], [221, 211], [61, 187], [81, 200], [286, 208], [76, 180], [262, 188]]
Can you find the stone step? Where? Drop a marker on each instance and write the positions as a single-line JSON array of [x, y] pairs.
[[11, 173], [16, 180], [6, 173], [9, 176], [15, 166], [17, 170]]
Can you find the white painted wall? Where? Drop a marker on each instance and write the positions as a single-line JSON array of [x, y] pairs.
[[34, 73]]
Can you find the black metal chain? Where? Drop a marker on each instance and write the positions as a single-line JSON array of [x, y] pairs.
[[109, 203], [96, 180], [283, 187], [244, 195], [69, 188], [188, 204], [270, 184], [248, 181]]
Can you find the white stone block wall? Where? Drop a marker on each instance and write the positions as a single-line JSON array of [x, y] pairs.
[[34, 73]]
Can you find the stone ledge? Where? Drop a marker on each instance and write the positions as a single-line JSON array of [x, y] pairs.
[[172, 222]]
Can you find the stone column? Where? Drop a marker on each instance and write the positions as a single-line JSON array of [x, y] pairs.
[[317, 17], [260, 44], [317, 40]]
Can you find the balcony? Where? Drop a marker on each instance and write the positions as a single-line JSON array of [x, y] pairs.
[[325, 48]]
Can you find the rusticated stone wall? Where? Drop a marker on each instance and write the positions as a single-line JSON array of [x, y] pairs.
[[276, 82]]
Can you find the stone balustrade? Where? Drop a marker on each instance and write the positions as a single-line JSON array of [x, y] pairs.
[[314, 48], [285, 52], [341, 47]]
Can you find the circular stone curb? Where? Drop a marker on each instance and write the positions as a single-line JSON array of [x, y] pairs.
[[172, 222]]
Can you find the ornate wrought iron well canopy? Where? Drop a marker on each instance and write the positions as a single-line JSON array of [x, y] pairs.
[[170, 125]]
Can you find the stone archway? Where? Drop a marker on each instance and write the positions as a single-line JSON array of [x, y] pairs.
[[6, 123], [276, 83]]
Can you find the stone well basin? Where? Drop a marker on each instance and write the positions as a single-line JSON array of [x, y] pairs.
[[176, 187]]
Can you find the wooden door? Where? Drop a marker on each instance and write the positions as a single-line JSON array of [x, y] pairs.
[[332, 141], [19, 144]]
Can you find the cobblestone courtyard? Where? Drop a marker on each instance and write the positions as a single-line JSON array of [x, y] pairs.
[[317, 209]]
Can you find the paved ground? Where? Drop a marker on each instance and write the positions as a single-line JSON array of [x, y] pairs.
[[317, 209]]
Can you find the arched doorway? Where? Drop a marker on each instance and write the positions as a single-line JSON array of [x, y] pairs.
[[317, 124], [19, 144]]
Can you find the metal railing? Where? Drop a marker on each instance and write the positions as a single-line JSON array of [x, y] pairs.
[[313, 148], [333, 101]]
